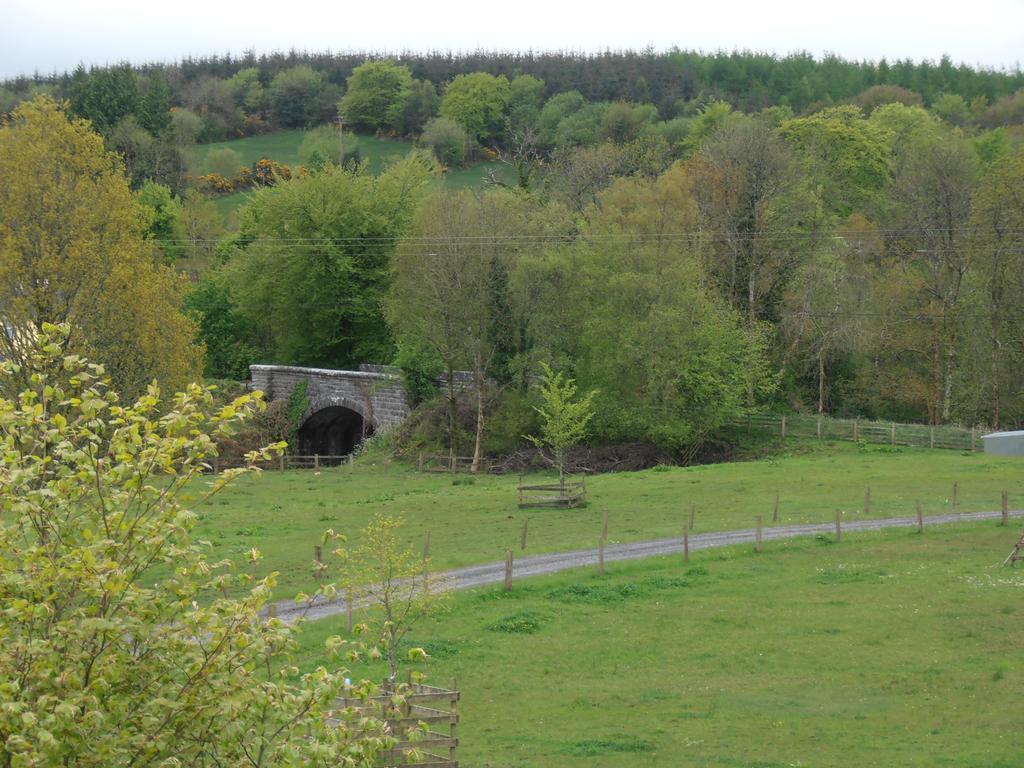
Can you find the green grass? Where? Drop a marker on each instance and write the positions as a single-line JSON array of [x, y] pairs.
[[889, 649], [283, 147], [379, 153], [285, 514]]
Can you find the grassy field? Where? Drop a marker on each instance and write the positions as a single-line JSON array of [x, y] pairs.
[[283, 147], [475, 520], [889, 649]]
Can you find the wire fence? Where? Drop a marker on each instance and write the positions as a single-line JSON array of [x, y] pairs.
[[862, 430]]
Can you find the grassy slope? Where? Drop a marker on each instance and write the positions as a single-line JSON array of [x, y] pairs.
[[284, 514], [283, 146], [888, 649]]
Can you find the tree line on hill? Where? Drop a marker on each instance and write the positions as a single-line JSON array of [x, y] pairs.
[[151, 114], [861, 258]]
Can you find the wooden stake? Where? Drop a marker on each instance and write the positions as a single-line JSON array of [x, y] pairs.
[[867, 500], [693, 515], [932, 436], [775, 512], [1006, 509], [508, 570], [317, 551], [972, 438], [216, 465], [839, 527], [757, 545], [819, 427], [280, 460], [600, 557], [352, 460], [686, 546], [856, 423], [316, 461], [892, 434], [956, 488], [604, 523], [522, 536], [783, 426], [426, 544], [920, 518]]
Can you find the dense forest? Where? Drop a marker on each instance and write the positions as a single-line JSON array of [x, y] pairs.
[[694, 236]]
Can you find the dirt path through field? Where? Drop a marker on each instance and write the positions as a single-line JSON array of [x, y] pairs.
[[538, 565]]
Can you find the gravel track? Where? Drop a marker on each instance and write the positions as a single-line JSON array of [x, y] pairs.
[[539, 565]]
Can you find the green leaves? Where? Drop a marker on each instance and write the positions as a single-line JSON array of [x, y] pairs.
[[104, 661]]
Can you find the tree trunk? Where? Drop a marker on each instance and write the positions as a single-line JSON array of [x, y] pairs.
[[477, 450], [821, 381], [995, 371], [452, 420]]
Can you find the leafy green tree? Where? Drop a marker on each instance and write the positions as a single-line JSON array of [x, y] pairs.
[[154, 111], [877, 95], [121, 646], [952, 108], [477, 102], [318, 300], [294, 96], [526, 95], [846, 155], [163, 212], [228, 337], [248, 91], [104, 97], [73, 249], [446, 139], [375, 97], [556, 109], [564, 415], [325, 146], [397, 584], [420, 106]]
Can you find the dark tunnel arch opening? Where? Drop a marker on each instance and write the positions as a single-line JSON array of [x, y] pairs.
[[333, 431]]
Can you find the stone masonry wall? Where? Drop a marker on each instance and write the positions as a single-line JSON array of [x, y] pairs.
[[377, 396]]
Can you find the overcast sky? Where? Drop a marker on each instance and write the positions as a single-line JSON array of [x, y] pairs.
[[48, 35]]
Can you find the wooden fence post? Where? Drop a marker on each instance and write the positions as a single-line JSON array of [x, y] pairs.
[[604, 523], [317, 554], [686, 545], [932, 443], [693, 514], [600, 557], [316, 461], [775, 512], [783, 426], [1006, 509], [867, 500], [819, 427], [972, 438], [839, 526], [280, 460], [216, 465], [522, 536], [351, 461], [757, 544], [920, 518], [892, 434], [956, 488], [856, 424], [508, 570]]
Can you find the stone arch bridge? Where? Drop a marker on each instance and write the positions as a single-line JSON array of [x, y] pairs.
[[345, 407]]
